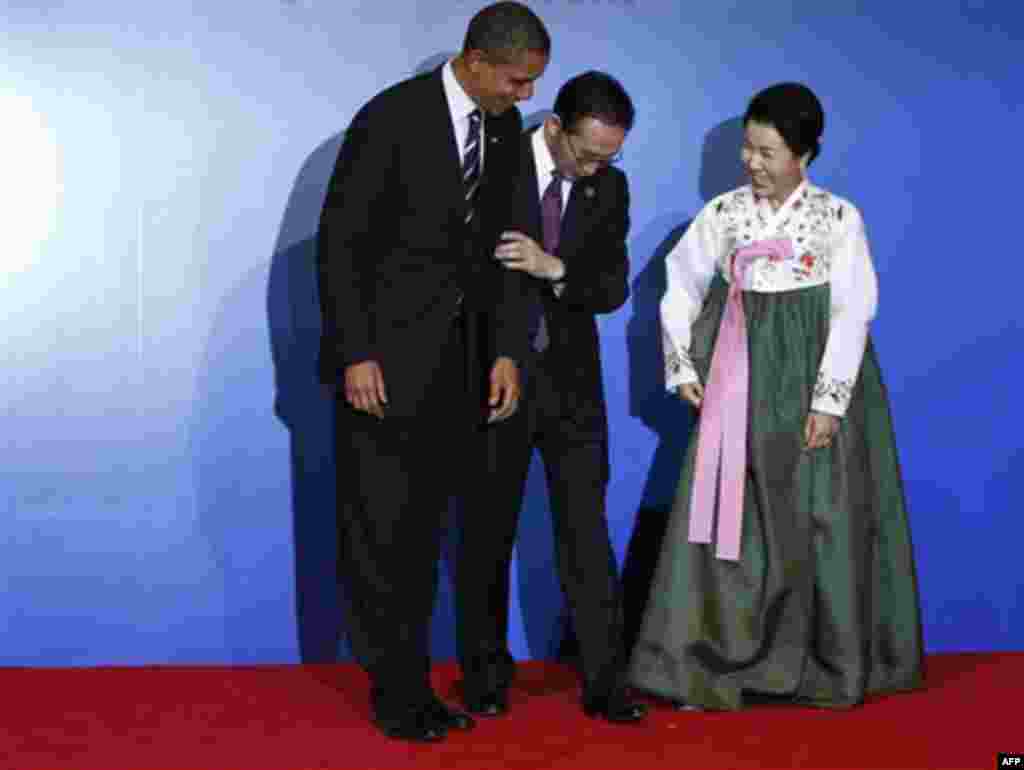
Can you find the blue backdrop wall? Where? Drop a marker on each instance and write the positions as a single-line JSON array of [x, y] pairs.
[[167, 479]]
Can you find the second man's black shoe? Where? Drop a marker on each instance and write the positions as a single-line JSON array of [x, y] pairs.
[[488, 704], [615, 708]]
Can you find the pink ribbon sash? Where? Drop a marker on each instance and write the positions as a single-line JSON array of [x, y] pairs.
[[722, 446]]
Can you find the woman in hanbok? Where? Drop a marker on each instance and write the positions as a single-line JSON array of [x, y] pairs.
[[786, 570]]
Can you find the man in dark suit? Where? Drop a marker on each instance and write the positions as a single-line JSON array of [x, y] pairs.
[[576, 266], [408, 289]]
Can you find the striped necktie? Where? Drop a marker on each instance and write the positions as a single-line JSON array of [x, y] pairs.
[[471, 163]]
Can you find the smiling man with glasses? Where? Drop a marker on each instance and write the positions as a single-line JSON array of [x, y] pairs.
[[568, 244]]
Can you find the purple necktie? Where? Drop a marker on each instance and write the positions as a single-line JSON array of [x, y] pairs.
[[551, 213], [551, 219]]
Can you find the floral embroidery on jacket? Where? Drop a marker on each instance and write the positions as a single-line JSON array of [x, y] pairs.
[[809, 225], [837, 391], [673, 364], [676, 363]]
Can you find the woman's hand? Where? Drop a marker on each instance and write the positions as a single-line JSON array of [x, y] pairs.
[[692, 392], [819, 430]]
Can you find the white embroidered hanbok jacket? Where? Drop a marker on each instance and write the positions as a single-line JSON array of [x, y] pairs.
[[829, 245]]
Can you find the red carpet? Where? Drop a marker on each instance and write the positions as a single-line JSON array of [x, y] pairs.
[[291, 717]]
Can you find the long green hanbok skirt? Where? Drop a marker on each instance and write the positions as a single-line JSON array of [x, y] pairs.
[[822, 606]]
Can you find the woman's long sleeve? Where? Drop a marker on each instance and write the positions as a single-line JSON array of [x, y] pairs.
[[854, 290], [689, 268]]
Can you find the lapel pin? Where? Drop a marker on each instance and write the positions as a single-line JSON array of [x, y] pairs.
[[588, 192]]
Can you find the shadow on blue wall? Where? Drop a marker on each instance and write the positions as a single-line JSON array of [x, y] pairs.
[[306, 408], [542, 604], [664, 414]]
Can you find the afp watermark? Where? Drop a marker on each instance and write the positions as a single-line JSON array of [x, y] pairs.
[[1015, 761]]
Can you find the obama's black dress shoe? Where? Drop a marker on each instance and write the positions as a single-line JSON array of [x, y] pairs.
[[449, 718], [418, 725]]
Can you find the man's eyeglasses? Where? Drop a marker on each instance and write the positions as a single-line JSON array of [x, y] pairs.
[[587, 159]]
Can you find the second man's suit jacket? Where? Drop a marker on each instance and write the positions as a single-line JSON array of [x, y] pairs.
[[592, 245], [396, 260]]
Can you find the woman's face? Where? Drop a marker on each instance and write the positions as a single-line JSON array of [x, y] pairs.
[[773, 169]]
